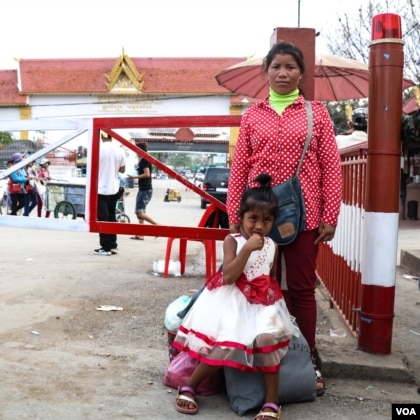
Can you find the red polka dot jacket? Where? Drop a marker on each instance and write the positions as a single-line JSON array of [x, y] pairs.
[[273, 143]]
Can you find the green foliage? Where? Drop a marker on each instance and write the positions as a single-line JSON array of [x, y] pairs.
[[179, 160], [5, 138], [338, 115], [337, 111]]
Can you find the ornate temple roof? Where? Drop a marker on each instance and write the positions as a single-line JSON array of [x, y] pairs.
[[124, 75]]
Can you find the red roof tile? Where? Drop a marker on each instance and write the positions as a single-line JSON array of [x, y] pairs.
[[9, 93], [89, 76]]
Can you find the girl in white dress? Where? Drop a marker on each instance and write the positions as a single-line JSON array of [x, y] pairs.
[[240, 319]]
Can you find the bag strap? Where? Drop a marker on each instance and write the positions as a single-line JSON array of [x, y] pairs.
[[308, 107]]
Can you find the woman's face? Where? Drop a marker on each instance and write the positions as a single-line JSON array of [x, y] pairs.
[[283, 74]]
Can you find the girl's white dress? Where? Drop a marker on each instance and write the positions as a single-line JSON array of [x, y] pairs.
[[245, 325]]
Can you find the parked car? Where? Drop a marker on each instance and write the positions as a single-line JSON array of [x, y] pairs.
[[215, 183], [199, 177], [188, 175]]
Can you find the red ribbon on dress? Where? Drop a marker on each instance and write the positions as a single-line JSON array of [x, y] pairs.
[[262, 289]]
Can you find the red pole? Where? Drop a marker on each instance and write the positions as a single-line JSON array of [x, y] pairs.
[[380, 237]]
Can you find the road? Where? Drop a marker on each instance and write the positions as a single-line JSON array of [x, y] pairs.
[[63, 358]]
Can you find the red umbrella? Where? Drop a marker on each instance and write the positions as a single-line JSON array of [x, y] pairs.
[[336, 79]]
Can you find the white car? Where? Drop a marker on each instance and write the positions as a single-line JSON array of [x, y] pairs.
[[199, 176]]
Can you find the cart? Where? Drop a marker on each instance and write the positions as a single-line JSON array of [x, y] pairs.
[[4, 197], [172, 195], [67, 201]]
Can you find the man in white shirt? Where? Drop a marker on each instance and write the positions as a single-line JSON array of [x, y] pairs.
[[111, 163], [359, 120]]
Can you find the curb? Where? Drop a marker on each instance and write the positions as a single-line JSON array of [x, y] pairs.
[[410, 260], [344, 361], [339, 357]]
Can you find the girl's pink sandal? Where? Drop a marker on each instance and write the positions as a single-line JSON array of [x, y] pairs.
[[180, 397], [263, 415]]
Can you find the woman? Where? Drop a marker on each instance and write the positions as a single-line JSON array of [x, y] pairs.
[[44, 177], [17, 181], [31, 196], [271, 138]]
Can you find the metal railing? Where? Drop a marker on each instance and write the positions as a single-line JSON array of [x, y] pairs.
[[339, 262]]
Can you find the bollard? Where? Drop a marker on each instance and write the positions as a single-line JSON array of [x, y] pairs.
[[380, 236]]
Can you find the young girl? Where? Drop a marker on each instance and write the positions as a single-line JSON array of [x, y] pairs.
[[240, 319]]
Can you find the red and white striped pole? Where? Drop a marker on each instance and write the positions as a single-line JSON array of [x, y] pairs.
[[386, 61]]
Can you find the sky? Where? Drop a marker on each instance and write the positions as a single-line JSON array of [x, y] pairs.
[[156, 28]]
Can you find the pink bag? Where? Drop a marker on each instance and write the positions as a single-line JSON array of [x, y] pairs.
[[182, 367]]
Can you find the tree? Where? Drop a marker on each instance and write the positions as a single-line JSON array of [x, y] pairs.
[[179, 160], [6, 138], [351, 38], [339, 114]]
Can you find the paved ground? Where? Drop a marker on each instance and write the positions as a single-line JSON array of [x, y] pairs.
[[62, 358]]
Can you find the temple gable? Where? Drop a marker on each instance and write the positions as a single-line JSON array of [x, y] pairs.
[[124, 77]]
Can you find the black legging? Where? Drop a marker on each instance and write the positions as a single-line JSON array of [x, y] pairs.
[[18, 201]]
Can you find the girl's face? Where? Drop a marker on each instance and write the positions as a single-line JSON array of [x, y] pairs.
[[256, 222], [284, 74]]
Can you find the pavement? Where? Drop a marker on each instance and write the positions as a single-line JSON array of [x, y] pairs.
[[358, 383], [340, 356]]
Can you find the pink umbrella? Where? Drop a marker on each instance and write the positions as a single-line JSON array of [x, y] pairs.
[[410, 107], [336, 79]]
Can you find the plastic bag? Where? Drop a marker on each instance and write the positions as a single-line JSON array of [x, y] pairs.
[[172, 320], [174, 267], [182, 367]]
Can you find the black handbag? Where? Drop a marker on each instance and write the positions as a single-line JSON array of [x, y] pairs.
[[291, 219]]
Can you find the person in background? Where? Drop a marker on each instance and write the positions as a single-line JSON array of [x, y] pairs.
[[359, 122], [251, 328], [43, 177], [404, 180], [271, 138], [145, 192], [18, 179], [31, 196], [6, 197], [111, 163]]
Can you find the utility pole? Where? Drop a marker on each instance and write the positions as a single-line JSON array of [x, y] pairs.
[[298, 25]]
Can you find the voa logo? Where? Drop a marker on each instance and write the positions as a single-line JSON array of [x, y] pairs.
[[400, 411], [406, 411]]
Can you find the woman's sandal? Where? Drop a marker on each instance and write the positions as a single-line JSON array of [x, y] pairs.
[[320, 391], [191, 401], [320, 381], [263, 415]]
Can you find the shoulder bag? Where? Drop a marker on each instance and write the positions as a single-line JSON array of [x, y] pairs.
[[15, 187], [291, 219]]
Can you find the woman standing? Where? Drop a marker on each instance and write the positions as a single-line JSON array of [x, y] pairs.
[[271, 139], [43, 177], [31, 196], [17, 181]]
